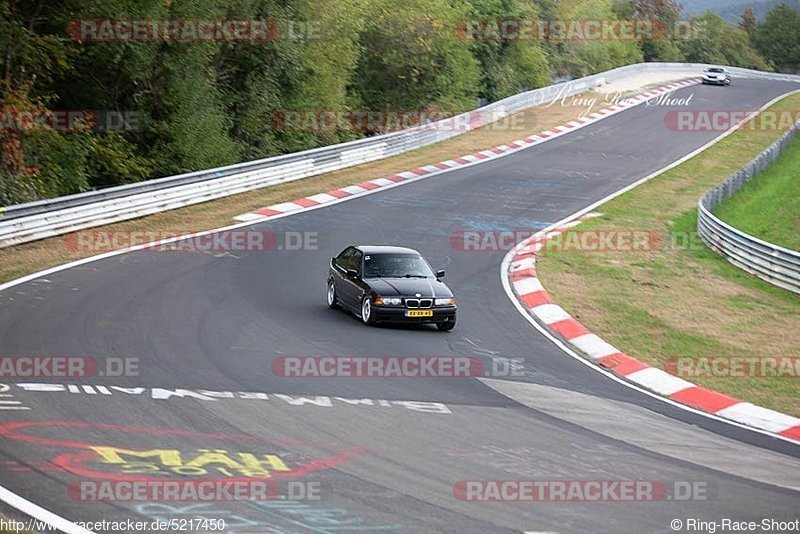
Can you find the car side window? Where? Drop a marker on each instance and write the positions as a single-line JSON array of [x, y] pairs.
[[357, 257], [344, 260]]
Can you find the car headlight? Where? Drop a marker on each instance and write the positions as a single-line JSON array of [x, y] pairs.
[[391, 301], [446, 301]]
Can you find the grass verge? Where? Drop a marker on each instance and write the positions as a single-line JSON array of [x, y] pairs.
[[768, 207], [679, 300]]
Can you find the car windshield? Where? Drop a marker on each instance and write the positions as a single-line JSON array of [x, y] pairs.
[[396, 266], [718, 70]]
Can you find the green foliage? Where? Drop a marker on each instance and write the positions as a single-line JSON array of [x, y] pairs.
[[413, 59], [511, 66], [778, 38], [210, 103], [666, 15], [113, 160], [737, 51], [581, 58], [712, 40], [59, 162], [326, 68], [662, 50], [192, 128]]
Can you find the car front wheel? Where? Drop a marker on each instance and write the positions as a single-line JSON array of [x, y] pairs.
[[333, 300], [366, 311]]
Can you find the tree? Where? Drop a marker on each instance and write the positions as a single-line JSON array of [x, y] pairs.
[[665, 11], [412, 58], [580, 58], [715, 41], [748, 21], [663, 14], [508, 66], [778, 38], [35, 163]]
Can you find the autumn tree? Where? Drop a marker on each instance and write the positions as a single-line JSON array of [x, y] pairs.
[[748, 21]]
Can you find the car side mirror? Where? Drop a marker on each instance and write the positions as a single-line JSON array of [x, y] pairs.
[[352, 273], [439, 274]]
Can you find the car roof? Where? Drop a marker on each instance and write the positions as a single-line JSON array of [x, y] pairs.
[[385, 249]]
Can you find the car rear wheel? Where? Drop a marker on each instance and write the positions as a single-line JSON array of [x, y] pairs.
[[333, 300], [366, 311], [449, 325]]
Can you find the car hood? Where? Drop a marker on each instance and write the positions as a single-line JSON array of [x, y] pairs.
[[409, 287]]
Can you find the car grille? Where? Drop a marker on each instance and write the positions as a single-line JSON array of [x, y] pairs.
[[419, 303]]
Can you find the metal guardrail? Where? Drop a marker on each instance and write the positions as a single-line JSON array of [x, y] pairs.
[[36, 220], [777, 265]]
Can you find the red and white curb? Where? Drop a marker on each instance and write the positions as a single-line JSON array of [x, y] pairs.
[[460, 162], [536, 301]]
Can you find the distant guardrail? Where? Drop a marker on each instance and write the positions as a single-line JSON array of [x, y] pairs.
[[36, 220], [777, 265]]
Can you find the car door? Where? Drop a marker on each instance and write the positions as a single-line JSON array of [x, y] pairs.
[[351, 285], [339, 275]]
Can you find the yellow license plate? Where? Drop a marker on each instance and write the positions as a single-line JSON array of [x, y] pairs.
[[419, 313]]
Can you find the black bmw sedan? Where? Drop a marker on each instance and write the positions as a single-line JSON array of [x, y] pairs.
[[390, 284]]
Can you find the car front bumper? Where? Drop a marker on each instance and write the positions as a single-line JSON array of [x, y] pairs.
[[391, 314], [714, 81]]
